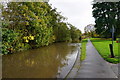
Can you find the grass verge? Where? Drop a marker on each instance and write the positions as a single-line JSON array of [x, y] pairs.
[[83, 50], [102, 46]]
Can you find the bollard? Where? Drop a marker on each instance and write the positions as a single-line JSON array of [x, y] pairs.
[[119, 50], [111, 50]]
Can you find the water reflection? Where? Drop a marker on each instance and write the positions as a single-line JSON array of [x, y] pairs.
[[46, 62]]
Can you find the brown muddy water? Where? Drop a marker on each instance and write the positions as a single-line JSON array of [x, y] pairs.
[[54, 61]]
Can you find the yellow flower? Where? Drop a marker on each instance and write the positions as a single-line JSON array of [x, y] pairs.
[[23, 14], [26, 41], [31, 37]]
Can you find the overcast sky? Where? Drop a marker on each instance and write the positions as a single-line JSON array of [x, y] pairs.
[[78, 12]]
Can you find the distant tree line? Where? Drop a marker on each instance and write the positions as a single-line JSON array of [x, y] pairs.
[[27, 25]]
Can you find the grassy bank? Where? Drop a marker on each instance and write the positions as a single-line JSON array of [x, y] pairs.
[[102, 45], [83, 50]]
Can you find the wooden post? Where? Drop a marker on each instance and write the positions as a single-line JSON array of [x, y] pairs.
[[111, 50]]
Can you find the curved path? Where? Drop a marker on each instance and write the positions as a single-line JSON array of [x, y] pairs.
[[94, 66]]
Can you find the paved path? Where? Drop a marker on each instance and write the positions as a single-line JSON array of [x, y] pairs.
[[94, 66], [115, 69]]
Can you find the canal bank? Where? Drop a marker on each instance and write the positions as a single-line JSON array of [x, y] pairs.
[[67, 70], [74, 70]]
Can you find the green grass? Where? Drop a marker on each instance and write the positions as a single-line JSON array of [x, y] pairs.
[[102, 46], [83, 50]]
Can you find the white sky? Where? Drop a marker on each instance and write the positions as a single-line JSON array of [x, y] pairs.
[[78, 12]]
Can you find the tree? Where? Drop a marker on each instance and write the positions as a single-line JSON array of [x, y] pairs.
[[29, 25], [75, 33], [107, 15], [30, 19], [90, 31], [63, 33]]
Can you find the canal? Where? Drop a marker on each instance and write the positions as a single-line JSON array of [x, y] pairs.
[[53, 61]]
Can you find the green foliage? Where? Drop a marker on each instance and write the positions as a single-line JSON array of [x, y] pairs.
[[31, 21], [62, 32], [9, 37], [75, 33], [107, 15], [44, 37], [29, 25]]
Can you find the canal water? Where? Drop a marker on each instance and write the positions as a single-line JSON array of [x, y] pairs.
[[54, 61]]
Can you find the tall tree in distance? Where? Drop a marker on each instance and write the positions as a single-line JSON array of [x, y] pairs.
[[90, 31]]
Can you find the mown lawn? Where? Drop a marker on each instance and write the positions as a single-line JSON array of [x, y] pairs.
[[102, 45], [83, 49]]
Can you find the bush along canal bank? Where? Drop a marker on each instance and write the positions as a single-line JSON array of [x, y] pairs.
[[65, 71], [51, 61], [35, 26]]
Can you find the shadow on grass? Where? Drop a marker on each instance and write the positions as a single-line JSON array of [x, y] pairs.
[[100, 39]]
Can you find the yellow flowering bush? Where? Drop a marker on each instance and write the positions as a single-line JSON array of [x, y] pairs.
[[27, 38]]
